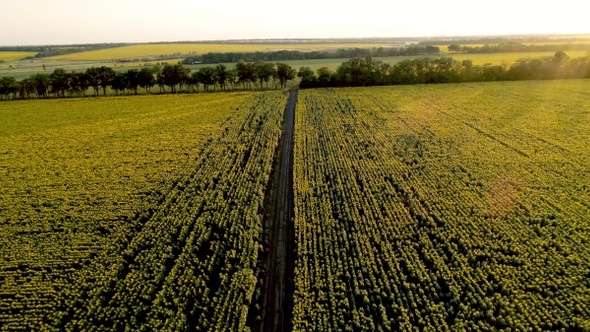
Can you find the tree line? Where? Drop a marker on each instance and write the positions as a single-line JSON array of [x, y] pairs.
[[169, 78], [367, 71], [285, 55], [265, 75]]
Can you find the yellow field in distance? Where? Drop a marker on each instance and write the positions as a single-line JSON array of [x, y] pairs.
[[445, 47], [11, 56], [159, 49], [510, 58], [558, 43]]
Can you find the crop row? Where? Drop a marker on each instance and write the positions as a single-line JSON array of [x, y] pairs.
[[115, 208], [428, 208], [192, 261]]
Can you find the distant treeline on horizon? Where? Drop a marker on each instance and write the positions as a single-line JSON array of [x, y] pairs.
[[286, 55], [413, 46], [169, 78], [258, 75], [370, 72]]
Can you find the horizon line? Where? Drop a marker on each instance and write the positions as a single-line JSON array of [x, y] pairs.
[[315, 39]]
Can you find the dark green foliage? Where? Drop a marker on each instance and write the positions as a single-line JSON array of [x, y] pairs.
[[285, 55], [367, 71], [285, 73], [177, 77], [7, 87]]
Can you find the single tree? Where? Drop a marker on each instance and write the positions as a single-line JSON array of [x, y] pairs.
[[119, 82], [560, 57], [306, 74], [195, 80], [41, 82], [221, 75], [184, 74], [93, 79], [168, 77], [159, 78], [175, 75], [8, 87], [454, 48], [105, 77], [232, 77], [132, 80], [324, 76], [206, 76], [263, 72], [60, 82], [146, 79], [245, 73]]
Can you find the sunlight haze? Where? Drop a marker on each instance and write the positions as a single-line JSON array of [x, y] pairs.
[[31, 22]]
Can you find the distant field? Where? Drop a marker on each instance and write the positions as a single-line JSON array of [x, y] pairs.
[[11, 56], [314, 64], [159, 49], [510, 58], [558, 43], [445, 47], [20, 69], [478, 59], [25, 68]]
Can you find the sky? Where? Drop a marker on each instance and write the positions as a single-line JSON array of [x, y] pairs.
[[42, 22]]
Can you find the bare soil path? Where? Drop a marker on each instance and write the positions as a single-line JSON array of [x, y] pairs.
[[277, 291]]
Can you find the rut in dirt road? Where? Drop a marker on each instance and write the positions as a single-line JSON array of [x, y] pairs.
[[276, 302]]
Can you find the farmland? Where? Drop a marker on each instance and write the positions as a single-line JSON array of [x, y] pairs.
[[425, 207], [444, 47], [134, 51], [510, 58], [125, 199], [26, 68], [478, 59], [461, 207], [11, 56]]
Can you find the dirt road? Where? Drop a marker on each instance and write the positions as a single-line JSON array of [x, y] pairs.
[[278, 287]]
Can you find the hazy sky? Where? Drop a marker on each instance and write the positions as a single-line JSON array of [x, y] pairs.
[[25, 22]]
